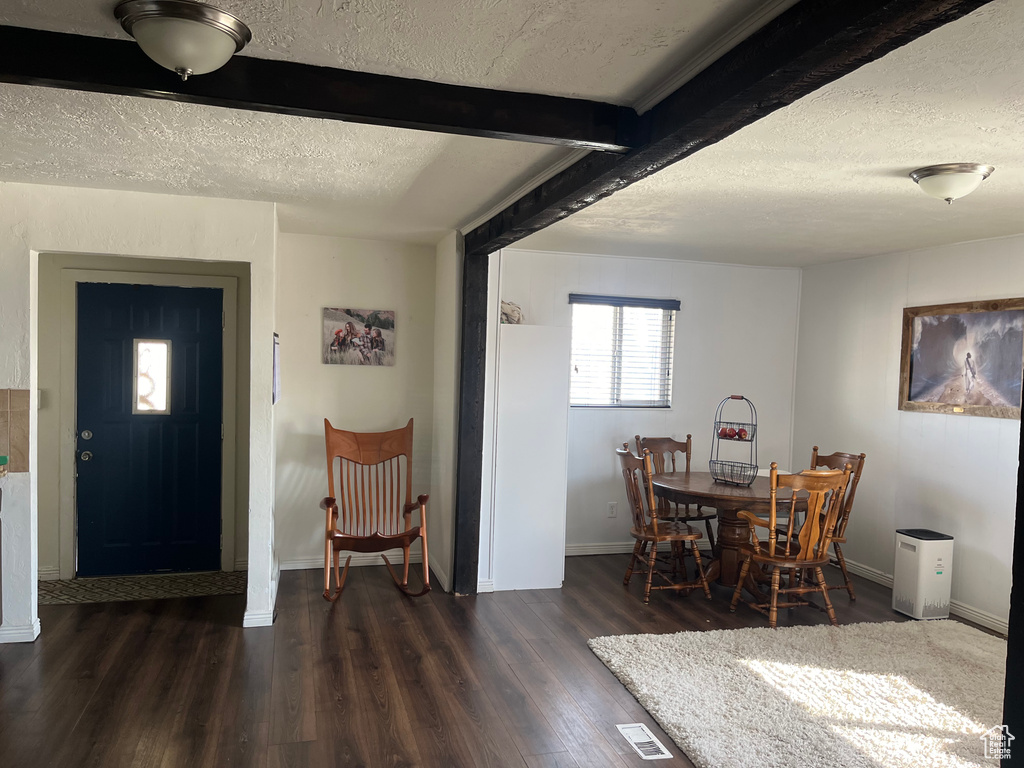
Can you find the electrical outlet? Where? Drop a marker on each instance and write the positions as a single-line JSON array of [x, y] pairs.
[[613, 509]]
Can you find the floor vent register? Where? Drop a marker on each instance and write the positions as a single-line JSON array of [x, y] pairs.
[[644, 742]]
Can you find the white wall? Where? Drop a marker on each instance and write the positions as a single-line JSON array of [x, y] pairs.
[[529, 500], [38, 218], [955, 474], [318, 272], [447, 350], [735, 334]]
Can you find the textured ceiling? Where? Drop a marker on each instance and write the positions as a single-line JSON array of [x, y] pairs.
[[823, 179], [600, 49], [826, 178], [353, 180], [332, 177]]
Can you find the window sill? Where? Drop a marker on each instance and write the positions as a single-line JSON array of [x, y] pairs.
[[622, 407]]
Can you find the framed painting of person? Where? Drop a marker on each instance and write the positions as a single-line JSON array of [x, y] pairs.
[[963, 358]]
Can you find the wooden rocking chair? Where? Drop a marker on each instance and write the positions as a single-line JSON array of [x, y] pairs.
[[368, 513]]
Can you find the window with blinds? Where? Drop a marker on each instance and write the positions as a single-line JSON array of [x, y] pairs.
[[621, 351]]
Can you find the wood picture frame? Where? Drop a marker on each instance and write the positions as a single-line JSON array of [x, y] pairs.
[[358, 337], [965, 358]]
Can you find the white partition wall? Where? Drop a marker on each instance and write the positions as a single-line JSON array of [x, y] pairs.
[[531, 457], [735, 333]]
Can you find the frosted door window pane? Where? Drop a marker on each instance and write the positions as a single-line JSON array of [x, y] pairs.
[[152, 376]]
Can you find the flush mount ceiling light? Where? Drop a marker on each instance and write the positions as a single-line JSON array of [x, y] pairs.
[[185, 36], [950, 181]]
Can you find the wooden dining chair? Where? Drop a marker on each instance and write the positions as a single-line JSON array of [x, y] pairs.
[[372, 510], [649, 531], [797, 550], [664, 452], [839, 461]]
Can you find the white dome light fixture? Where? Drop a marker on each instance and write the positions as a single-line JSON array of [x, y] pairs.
[[951, 181], [184, 36]]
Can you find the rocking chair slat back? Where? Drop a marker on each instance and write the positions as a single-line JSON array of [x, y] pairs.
[[373, 473], [372, 496]]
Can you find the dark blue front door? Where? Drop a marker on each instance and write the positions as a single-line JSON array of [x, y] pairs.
[[148, 429]]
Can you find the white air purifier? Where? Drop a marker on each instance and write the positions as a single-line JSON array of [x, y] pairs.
[[922, 575]]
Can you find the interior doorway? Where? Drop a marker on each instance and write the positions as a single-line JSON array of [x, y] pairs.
[[149, 403]]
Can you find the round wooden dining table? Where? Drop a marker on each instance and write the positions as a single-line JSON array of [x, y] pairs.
[[701, 488]]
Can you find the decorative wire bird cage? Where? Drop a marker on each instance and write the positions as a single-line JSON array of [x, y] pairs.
[[733, 471]]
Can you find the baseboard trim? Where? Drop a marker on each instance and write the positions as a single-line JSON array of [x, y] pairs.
[[24, 634], [871, 574], [614, 548], [258, 619], [440, 576], [993, 622], [961, 609], [611, 548], [485, 585]]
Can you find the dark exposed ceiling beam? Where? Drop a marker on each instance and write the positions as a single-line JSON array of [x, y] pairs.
[[34, 57], [806, 47], [811, 44]]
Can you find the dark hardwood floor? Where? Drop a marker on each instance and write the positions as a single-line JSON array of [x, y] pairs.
[[375, 680]]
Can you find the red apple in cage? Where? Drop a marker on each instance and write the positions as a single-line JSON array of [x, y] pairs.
[[723, 432], [741, 433], [731, 434]]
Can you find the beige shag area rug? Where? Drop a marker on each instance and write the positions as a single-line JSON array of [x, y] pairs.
[[892, 694]]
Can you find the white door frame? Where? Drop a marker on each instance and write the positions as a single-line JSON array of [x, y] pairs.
[[69, 278]]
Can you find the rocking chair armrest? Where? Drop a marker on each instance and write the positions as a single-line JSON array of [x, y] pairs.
[[421, 501], [330, 506]]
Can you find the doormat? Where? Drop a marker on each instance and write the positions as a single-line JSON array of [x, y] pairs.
[[112, 589]]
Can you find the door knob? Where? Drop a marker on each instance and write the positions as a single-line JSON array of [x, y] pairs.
[[86, 456]]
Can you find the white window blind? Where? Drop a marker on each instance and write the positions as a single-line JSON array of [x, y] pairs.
[[622, 351]]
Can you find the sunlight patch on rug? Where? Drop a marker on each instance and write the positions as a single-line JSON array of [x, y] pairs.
[[889, 695], [851, 702]]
